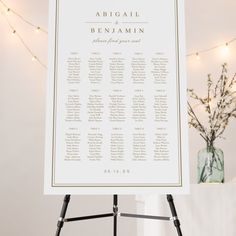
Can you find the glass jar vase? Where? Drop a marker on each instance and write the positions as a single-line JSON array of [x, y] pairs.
[[211, 165]]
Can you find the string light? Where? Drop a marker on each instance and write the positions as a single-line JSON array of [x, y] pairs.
[[226, 48], [34, 58], [197, 56], [38, 29], [8, 10], [14, 32], [225, 45]]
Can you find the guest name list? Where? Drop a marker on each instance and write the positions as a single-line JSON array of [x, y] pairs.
[[115, 91]]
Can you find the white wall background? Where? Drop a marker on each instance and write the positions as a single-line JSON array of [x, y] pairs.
[[25, 211]]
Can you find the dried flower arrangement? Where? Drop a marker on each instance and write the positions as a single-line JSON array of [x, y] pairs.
[[219, 103]]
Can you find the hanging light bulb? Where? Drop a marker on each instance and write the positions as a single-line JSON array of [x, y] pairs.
[[8, 10], [34, 58], [197, 56], [225, 50], [227, 47], [38, 29]]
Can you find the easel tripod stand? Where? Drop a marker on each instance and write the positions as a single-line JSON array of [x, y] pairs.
[[115, 214]]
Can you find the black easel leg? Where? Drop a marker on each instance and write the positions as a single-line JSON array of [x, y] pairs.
[[115, 211], [63, 214], [174, 214]]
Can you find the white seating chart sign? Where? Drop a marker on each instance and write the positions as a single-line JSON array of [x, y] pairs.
[[116, 102]]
